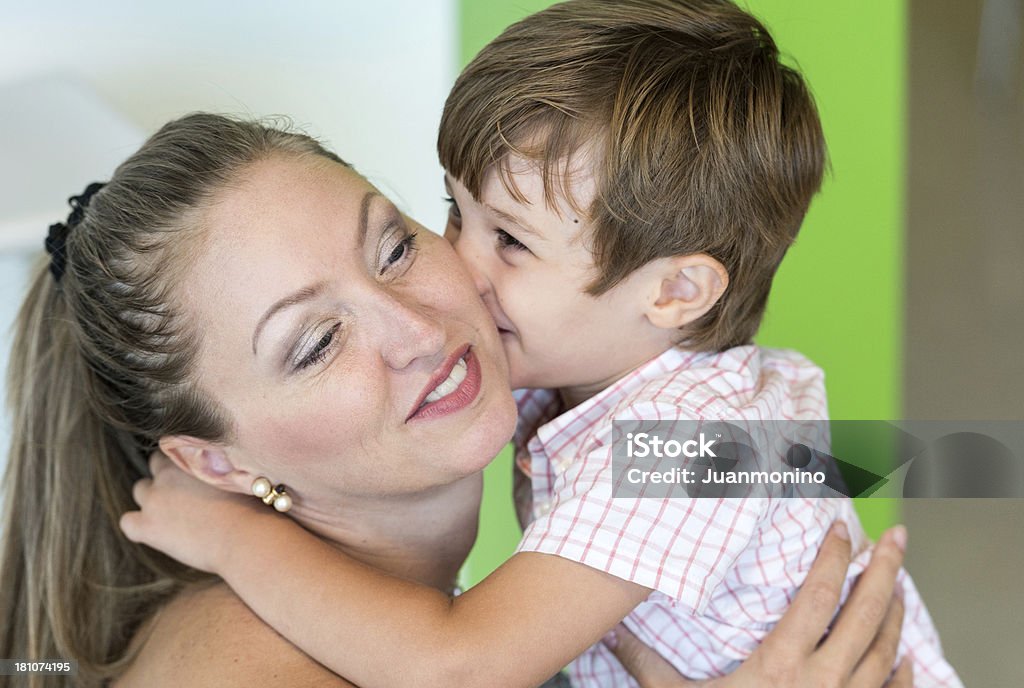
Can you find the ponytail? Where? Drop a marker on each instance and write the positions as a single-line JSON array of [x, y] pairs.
[[71, 586], [102, 367]]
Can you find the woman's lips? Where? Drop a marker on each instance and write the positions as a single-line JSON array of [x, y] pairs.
[[463, 395]]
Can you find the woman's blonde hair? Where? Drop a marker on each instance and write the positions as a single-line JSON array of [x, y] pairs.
[[102, 367]]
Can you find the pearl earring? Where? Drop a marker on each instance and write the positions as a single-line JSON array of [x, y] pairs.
[[277, 497]]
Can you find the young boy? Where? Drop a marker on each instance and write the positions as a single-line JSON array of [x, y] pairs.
[[626, 178]]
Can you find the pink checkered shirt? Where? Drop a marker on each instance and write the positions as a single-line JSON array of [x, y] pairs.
[[723, 571]]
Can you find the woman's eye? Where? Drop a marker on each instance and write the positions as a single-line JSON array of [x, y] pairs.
[[320, 349], [401, 251], [507, 241]]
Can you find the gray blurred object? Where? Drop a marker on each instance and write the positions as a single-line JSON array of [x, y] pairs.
[[965, 244], [1000, 58], [999, 129], [965, 313]]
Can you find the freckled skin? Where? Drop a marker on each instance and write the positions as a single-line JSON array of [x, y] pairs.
[[391, 317]]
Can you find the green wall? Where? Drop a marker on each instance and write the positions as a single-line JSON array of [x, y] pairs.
[[838, 295]]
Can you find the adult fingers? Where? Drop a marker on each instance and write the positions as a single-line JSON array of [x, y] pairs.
[[904, 676], [800, 629], [877, 663], [645, 665], [863, 613]]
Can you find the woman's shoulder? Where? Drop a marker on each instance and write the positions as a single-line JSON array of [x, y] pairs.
[[206, 636]]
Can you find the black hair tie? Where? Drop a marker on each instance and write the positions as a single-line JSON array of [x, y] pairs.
[[56, 239]]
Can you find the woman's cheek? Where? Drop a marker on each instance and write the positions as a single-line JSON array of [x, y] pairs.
[[316, 432]]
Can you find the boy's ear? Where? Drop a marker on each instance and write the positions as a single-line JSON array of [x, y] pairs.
[[206, 461], [689, 286]]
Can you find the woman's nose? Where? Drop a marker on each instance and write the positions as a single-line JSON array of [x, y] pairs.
[[410, 334]]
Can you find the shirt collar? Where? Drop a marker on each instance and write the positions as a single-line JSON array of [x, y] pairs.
[[561, 437]]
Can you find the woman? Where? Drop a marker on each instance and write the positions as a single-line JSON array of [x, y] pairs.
[[242, 299]]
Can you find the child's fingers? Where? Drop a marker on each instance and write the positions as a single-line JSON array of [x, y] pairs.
[[645, 665], [878, 661], [131, 525], [800, 629], [865, 611], [140, 491], [158, 461]]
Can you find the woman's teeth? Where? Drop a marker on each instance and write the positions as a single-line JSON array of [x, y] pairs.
[[452, 383]]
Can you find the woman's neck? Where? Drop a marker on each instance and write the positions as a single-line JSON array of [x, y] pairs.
[[424, 537]]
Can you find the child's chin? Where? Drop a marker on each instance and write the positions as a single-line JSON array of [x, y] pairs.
[[523, 375], [520, 379]]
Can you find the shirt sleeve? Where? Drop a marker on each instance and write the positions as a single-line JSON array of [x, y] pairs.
[[680, 546]]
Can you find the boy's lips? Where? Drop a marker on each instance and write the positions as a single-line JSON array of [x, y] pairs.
[[502, 323], [506, 335]]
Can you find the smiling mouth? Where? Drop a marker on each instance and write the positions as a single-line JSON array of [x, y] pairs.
[[455, 391], [449, 384]]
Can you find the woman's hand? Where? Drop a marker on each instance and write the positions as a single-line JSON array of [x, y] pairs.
[[858, 653], [185, 518]]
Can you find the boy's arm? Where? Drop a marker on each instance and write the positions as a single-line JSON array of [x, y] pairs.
[[516, 628]]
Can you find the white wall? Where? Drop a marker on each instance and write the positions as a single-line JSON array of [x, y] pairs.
[[368, 77]]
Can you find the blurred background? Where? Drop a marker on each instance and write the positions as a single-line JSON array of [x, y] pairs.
[[906, 284]]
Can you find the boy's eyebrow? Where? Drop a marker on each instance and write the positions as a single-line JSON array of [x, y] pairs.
[[509, 217]]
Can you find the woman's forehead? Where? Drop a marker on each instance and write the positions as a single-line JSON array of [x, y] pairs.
[[283, 180], [286, 199], [286, 221]]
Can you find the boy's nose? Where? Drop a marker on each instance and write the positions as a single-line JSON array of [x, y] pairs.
[[472, 259]]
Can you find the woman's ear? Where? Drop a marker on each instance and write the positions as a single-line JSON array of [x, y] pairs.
[[206, 461], [688, 288]]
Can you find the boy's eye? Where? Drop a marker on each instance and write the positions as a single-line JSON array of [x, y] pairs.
[[507, 241], [454, 207]]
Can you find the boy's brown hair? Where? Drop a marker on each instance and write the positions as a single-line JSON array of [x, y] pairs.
[[700, 139]]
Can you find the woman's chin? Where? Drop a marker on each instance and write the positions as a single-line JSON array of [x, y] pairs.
[[492, 433]]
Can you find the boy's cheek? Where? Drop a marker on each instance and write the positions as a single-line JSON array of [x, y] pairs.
[[523, 372], [517, 374]]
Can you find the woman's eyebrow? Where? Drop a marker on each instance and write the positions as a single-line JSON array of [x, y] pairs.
[[304, 294], [314, 290], [364, 214]]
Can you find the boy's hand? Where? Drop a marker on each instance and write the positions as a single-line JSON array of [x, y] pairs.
[[858, 653], [183, 517]]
